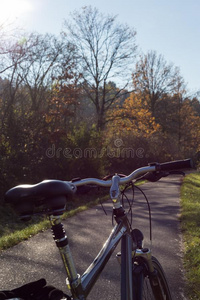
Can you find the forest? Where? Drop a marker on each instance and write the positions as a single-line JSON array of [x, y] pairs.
[[88, 102]]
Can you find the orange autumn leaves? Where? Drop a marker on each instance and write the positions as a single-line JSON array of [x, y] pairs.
[[133, 117]]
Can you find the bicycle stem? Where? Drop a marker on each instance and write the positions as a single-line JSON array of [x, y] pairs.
[[115, 192]]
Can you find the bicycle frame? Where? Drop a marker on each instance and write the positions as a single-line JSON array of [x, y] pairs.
[[136, 262], [81, 286], [133, 258]]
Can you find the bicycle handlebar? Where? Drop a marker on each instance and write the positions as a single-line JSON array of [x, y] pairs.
[[108, 183], [173, 165], [51, 194], [178, 164]]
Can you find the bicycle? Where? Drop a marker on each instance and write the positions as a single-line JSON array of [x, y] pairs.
[[142, 276]]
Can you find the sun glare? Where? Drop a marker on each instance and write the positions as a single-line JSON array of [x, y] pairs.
[[10, 10]]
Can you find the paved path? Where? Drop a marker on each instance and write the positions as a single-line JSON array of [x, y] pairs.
[[38, 257]]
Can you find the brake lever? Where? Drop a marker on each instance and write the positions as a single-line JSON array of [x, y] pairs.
[[157, 175], [153, 176]]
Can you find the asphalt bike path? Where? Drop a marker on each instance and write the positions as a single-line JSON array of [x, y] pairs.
[[38, 257]]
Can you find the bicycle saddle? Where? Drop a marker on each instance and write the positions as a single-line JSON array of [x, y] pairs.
[[48, 196]]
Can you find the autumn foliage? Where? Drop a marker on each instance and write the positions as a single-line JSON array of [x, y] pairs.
[[133, 117], [62, 114]]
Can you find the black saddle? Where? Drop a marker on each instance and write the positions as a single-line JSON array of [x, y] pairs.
[[48, 197]]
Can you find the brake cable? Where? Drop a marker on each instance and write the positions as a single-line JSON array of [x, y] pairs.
[[131, 205]]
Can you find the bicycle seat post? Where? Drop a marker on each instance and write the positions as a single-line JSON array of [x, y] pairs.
[[59, 235]]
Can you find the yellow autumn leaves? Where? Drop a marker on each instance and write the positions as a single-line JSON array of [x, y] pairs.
[[133, 116]]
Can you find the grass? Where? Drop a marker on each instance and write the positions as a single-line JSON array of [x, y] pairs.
[[190, 220], [13, 230]]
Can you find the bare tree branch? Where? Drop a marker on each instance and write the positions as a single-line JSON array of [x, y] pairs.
[[154, 77], [104, 49]]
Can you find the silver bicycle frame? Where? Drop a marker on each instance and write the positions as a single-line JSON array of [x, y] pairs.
[[81, 286]]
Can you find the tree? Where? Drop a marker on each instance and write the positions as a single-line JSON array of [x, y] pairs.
[[46, 59], [104, 52], [38, 64], [155, 78], [188, 129], [196, 105], [132, 117]]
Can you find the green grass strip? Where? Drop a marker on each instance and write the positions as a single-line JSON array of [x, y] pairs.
[[18, 231], [190, 220]]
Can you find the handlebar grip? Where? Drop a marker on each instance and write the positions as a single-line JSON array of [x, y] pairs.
[[175, 165]]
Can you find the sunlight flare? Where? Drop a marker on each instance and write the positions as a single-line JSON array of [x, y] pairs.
[[10, 10]]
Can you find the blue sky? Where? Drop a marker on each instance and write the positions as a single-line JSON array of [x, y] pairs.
[[171, 27]]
